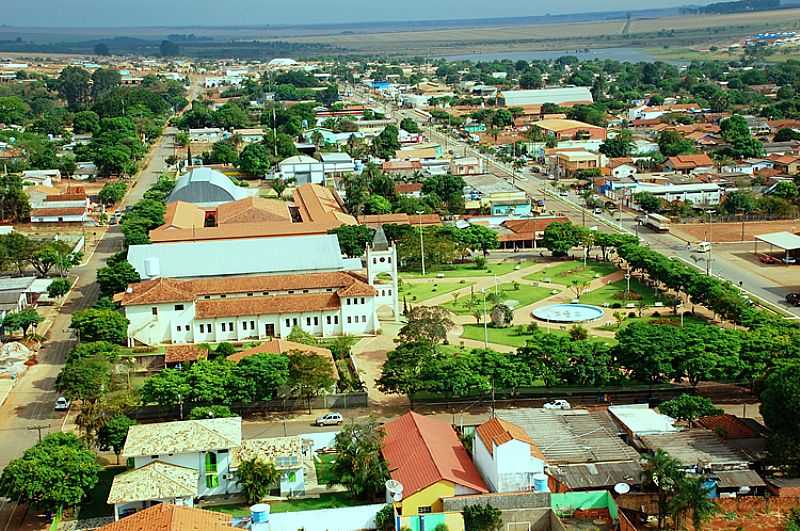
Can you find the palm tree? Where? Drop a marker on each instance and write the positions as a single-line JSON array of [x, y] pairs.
[[256, 478], [662, 473], [692, 497]]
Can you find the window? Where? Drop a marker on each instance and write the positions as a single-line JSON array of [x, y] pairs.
[[249, 294], [186, 328], [316, 321], [363, 318], [179, 307], [383, 293], [291, 291], [389, 259], [252, 325], [202, 328], [154, 310], [305, 291], [206, 297], [244, 325], [212, 478], [179, 328], [294, 321], [335, 319], [308, 321], [154, 456], [349, 320], [230, 327], [425, 509], [383, 259], [288, 323], [329, 289], [389, 292], [362, 300], [223, 326], [223, 296], [328, 319], [374, 260]]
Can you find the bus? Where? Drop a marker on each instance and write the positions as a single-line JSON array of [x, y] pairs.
[[656, 222]]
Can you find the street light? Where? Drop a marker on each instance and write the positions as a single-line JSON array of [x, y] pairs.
[[628, 284], [485, 323], [421, 242]]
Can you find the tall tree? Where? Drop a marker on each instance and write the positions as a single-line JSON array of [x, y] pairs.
[[104, 80], [74, 85], [428, 324], [662, 473], [256, 478], [310, 374], [359, 466], [113, 435]]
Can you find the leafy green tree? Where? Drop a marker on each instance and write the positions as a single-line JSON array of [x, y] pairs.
[[255, 160], [112, 193], [115, 278], [223, 152], [692, 497], [211, 412], [259, 377], [13, 110], [783, 135], [428, 324], [74, 86], [647, 202], [353, 239], [86, 122], [621, 145], [89, 349], [310, 375], [14, 203], [662, 472], [58, 288], [448, 189], [113, 434], [736, 132], [256, 478], [100, 325], [104, 80], [779, 402], [560, 237], [689, 408], [22, 320], [386, 144], [359, 466], [637, 352], [401, 371], [739, 201], [672, 143], [57, 472], [85, 379], [482, 517], [786, 190], [377, 204], [409, 125]]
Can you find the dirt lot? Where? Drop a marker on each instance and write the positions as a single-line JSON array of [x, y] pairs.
[[732, 232]]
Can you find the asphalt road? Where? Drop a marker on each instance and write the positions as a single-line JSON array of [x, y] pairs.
[[755, 285]]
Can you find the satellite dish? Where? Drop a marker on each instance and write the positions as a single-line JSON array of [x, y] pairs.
[[622, 488], [744, 490], [394, 490]]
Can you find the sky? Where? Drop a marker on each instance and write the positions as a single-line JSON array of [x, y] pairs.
[[122, 13]]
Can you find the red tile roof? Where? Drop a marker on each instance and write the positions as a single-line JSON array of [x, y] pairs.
[[729, 426], [682, 162], [168, 517], [209, 309], [421, 451], [184, 353], [74, 211], [373, 220], [496, 432], [523, 229], [407, 188]]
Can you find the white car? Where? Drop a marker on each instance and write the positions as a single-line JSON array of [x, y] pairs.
[[330, 419], [557, 404], [62, 404]]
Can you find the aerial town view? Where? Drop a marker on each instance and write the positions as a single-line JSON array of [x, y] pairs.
[[430, 266]]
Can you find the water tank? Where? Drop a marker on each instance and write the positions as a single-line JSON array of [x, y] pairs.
[[259, 517], [394, 491], [540, 483], [151, 267]]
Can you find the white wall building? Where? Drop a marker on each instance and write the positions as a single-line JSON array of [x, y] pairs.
[[337, 163], [207, 135], [506, 456], [303, 169]]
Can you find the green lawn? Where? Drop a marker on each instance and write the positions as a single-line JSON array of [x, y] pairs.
[[422, 291], [469, 270], [564, 273], [524, 295], [95, 505], [325, 501], [323, 466], [513, 336], [614, 292]]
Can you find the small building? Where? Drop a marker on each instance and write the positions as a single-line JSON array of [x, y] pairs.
[[490, 192], [466, 166], [526, 232], [700, 194], [570, 129], [564, 96], [784, 487], [41, 177], [207, 187], [71, 206], [427, 458], [206, 135], [570, 163], [788, 164], [176, 462], [337, 164], [506, 456], [172, 517], [182, 356], [622, 168], [639, 419], [302, 169], [290, 455], [249, 136], [689, 164]]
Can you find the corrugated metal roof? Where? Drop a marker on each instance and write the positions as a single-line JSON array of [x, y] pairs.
[[696, 446], [289, 254], [739, 478], [552, 95], [784, 240], [207, 186], [597, 475], [571, 437]]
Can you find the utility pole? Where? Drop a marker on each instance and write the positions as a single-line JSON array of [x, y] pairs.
[[39, 429], [421, 242]]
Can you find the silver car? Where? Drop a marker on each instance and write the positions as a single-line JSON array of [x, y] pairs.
[[329, 419]]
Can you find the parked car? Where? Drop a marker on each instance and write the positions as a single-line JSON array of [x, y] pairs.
[[62, 404], [557, 404], [701, 247], [597, 211], [329, 419], [793, 299]]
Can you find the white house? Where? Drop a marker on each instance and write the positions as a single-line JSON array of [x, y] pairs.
[[250, 136], [41, 177], [182, 462], [697, 194], [207, 135], [303, 169], [622, 168], [506, 456], [71, 206], [337, 164]]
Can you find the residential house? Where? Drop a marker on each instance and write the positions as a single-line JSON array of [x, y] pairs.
[[207, 187], [621, 168], [206, 135], [176, 463], [374, 221], [698, 194], [405, 168], [648, 112], [689, 164], [290, 455], [490, 192], [426, 457], [171, 517], [466, 166], [570, 129], [748, 166], [302, 169], [249, 136], [41, 177], [408, 189], [524, 233], [571, 163], [506, 456], [758, 126], [337, 164], [788, 164], [182, 356], [420, 152], [71, 206], [582, 449]]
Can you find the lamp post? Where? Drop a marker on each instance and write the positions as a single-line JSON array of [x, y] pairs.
[[628, 284], [421, 241], [485, 323]]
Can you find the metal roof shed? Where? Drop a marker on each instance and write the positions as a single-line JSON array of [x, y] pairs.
[[784, 240]]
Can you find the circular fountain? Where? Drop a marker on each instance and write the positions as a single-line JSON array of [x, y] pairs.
[[568, 313]]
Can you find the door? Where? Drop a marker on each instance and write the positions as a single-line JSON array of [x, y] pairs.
[[270, 330]]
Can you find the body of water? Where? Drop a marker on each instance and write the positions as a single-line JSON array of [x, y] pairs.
[[630, 55]]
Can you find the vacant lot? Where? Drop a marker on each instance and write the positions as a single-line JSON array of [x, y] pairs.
[[732, 232]]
